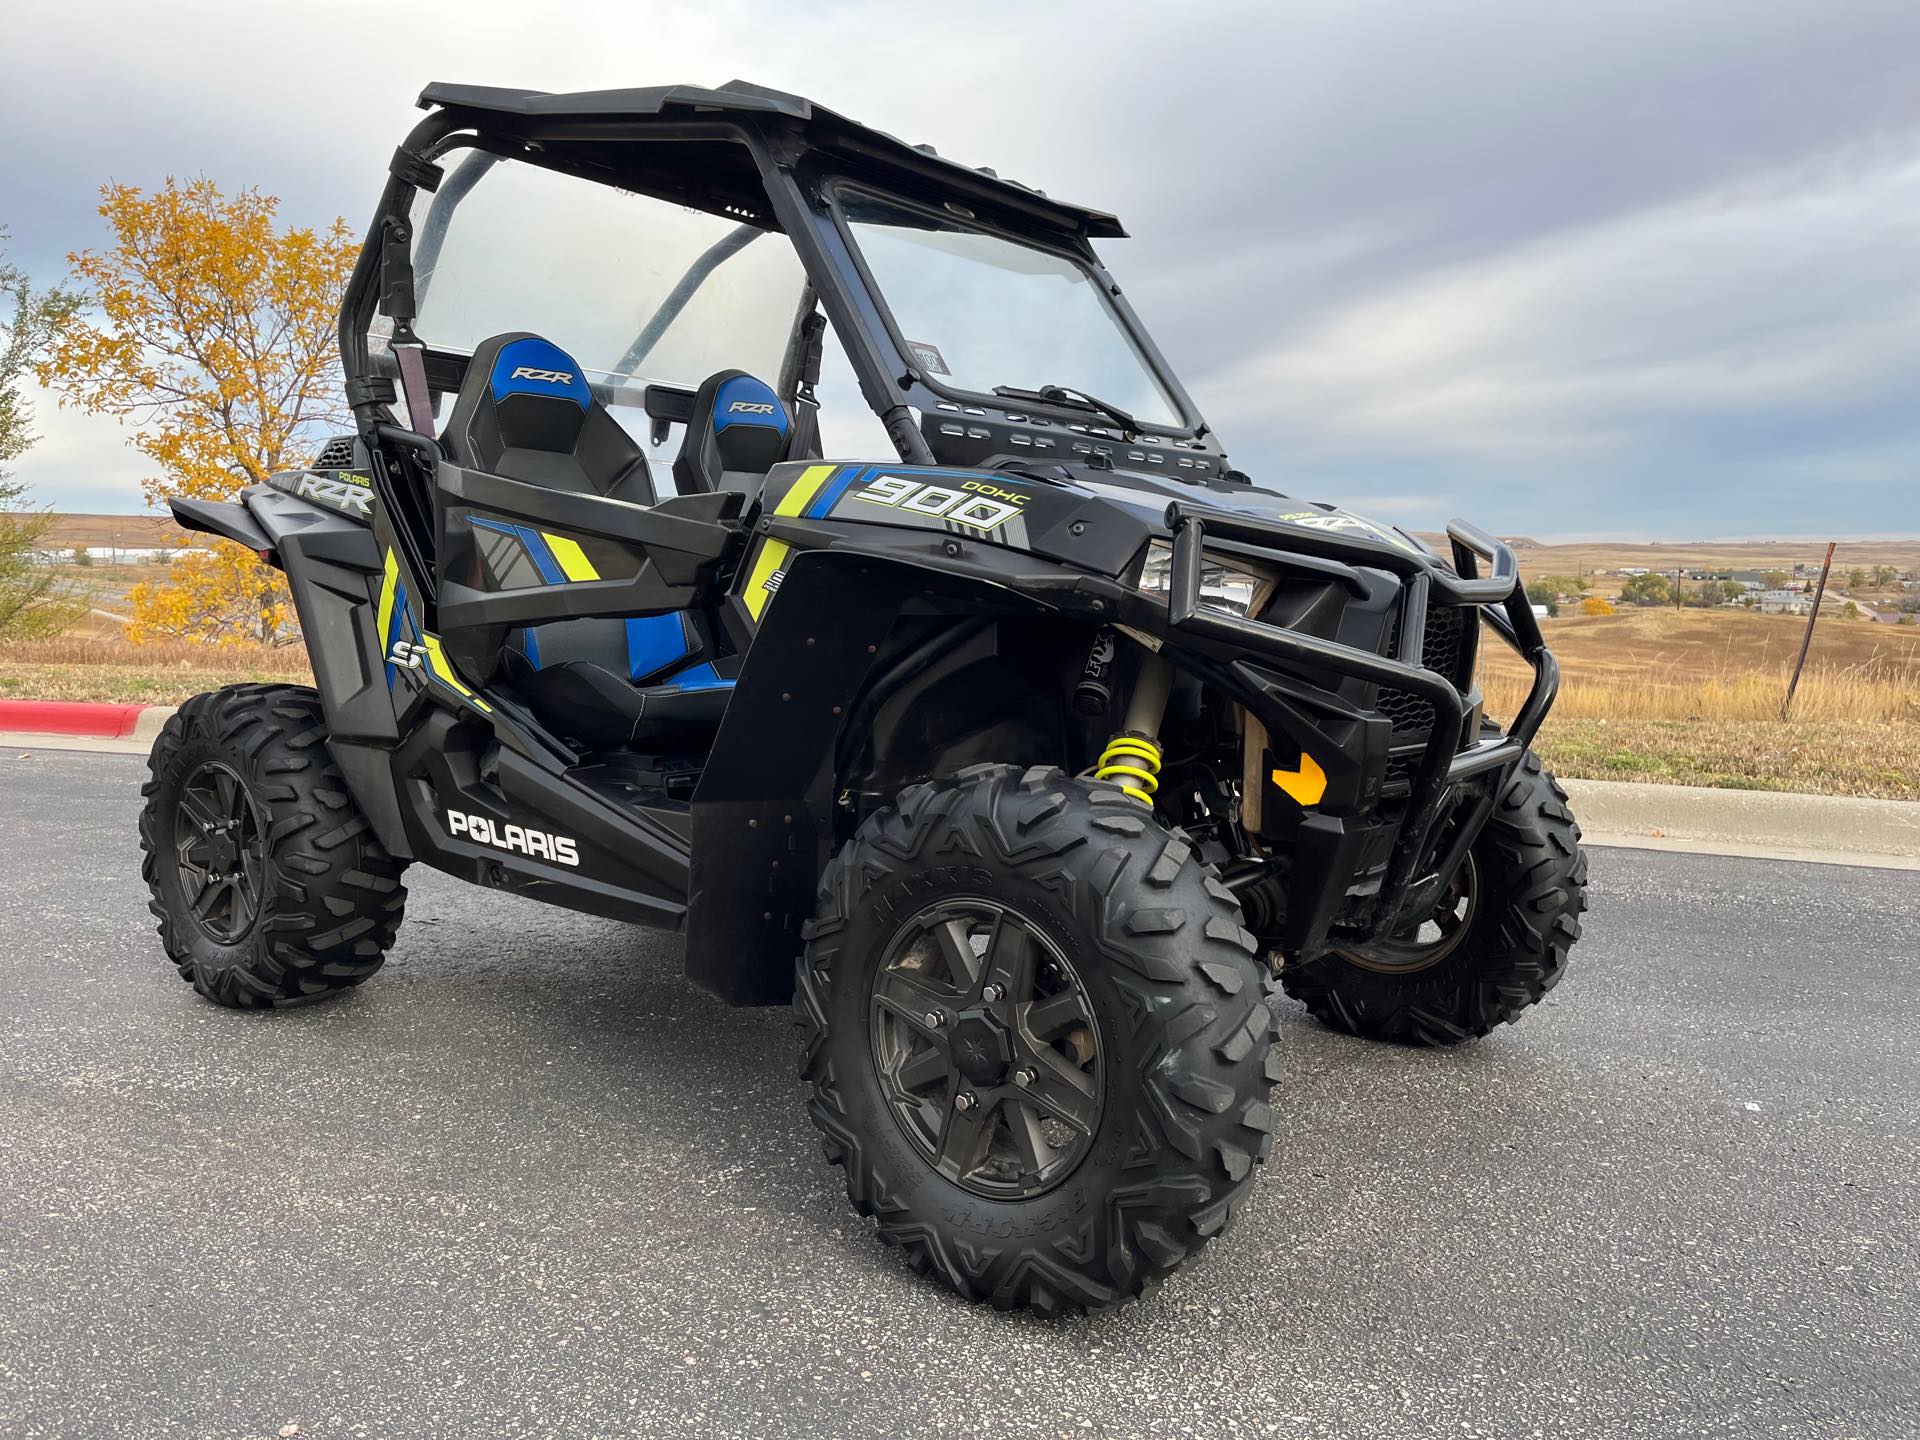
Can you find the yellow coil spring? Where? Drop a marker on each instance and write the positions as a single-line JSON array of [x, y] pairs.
[[1134, 762]]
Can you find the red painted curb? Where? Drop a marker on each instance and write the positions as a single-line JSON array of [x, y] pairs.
[[69, 717]]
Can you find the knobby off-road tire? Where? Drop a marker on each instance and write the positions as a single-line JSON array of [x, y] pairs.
[[320, 899], [1173, 988], [1530, 877]]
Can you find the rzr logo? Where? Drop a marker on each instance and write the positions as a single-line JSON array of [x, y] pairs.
[[537, 844], [749, 407], [350, 496], [550, 377]]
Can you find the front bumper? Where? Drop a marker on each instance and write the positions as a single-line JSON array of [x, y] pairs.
[[1418, 865]]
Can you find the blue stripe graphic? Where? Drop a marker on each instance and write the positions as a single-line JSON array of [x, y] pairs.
[[536, 546], [834, 489]]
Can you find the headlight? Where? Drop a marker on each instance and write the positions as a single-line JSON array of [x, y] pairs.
[[1223, 587]]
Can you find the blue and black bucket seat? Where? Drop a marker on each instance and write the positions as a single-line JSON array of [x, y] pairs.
[[527, 412]]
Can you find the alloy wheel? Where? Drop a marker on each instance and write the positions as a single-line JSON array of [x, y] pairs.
[[987, 1048], [220, 849]]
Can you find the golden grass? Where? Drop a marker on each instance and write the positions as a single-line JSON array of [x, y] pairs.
[[1693, 698], [79, 667]]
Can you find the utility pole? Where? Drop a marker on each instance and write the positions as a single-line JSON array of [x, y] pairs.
[[1806, 640]]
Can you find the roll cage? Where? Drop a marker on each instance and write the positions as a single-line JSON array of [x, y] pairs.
[[779, 174]]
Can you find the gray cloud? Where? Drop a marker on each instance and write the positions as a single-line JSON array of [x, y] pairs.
[[1635, 268]]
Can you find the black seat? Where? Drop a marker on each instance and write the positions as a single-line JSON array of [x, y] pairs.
[[737, 432], [527, 412]]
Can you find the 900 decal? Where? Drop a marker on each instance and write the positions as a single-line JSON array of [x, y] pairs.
[[977, 504]]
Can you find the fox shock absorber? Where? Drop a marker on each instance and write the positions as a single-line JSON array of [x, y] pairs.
[[1133, 758], [1094, 694]]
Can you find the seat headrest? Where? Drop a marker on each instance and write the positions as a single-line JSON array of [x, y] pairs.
[[540, 395], [526, 411], [738, 426]]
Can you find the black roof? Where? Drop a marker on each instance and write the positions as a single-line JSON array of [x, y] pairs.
[[824, 130]]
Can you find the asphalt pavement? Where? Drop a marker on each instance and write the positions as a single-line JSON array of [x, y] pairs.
[[528, 1181]]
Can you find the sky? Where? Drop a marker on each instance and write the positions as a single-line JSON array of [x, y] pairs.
[[1632, 270]]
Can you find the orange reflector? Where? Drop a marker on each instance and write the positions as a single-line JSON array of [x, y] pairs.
[[1307, 784]]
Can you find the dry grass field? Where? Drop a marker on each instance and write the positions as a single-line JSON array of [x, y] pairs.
[[95, 667], [1692, 697], [1587, 557], [104, 532]]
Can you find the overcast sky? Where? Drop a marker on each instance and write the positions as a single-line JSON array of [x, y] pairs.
[[1622, 269]]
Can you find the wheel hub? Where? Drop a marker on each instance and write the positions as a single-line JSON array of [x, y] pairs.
[[982, 1048], [1426, 944], [987, 1048], [220, 852]]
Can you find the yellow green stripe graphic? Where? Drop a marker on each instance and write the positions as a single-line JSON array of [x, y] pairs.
[[804, 489]]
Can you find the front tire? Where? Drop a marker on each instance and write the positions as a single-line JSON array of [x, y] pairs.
[[270, 887], [1519, 917], [1005, 945]]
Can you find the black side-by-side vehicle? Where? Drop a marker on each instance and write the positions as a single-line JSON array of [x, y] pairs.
[[1027, 754]]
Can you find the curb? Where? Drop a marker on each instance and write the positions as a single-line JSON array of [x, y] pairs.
[[1760, 824], [22, 728], [103, 721]]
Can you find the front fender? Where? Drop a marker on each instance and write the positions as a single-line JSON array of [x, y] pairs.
[[763, 812]]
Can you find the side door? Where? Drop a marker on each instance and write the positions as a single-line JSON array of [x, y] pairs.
[[509, 553]]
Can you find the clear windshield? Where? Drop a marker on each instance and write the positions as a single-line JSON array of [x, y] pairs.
[[980, 311], [589, 267]]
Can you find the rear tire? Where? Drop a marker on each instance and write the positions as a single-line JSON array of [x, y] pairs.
[[241, 785], [1172, 1038], [1531, 888]]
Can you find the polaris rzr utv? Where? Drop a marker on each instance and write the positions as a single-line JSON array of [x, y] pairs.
[[1026, 753]]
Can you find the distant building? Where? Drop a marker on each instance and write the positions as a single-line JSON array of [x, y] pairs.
[[1784, 602]]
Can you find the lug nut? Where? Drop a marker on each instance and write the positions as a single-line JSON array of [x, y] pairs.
[[1023, 1077], [935, 1019], [993, 992], [963, 1101]]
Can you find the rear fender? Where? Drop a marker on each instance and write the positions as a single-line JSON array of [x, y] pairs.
[[229, 520], [763, 813], [333, 569]]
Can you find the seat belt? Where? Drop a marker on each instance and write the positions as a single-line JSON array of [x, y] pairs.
[[411, 356], [804, 442]]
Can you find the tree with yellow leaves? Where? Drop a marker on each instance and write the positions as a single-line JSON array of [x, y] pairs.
[[210, 333]]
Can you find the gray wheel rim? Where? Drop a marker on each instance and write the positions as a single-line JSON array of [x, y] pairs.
[[1422, 946], [220, 852], [987, 1048]]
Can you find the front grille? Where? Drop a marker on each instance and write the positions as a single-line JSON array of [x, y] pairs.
[[1407, 711], [1440, 651]]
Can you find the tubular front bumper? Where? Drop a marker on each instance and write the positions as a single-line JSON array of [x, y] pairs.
[[1414, 871]]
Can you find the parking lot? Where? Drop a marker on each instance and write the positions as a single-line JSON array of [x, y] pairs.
[[528, 1181]]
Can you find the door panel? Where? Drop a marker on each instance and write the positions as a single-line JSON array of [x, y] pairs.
[[512, 554]]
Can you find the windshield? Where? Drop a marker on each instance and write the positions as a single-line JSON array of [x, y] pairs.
[[599, 272], [979, 311]]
